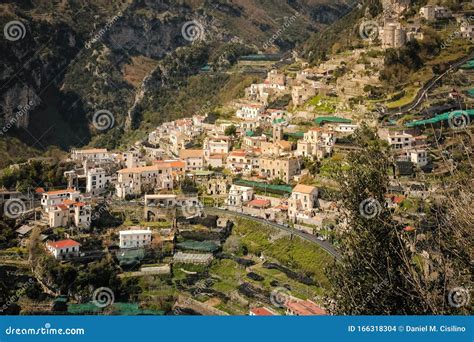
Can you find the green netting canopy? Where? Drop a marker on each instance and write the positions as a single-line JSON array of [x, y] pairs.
[[264, 186], [203, 246], [442, 117], [323, 119]]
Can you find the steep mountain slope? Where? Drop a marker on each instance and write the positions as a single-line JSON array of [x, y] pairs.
[[64, 61]]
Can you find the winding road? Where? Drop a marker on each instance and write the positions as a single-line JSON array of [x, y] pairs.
[[309, 237], [427, 87]]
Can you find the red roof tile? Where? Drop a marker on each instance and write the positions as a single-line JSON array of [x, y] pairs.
[[63, 243], [305, 308], [259, 203], [262, 312]]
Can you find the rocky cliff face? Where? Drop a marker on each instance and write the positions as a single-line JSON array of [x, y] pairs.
[[63, 62]]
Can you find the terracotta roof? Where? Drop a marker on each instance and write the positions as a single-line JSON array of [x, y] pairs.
[[39, 190], [68, 202], [177, 163], [305, 308], [80, 204], [140, 169], [284, 144], [259, 203], [191, 154], [398, 199], [261, 312], [173, 164], [238, 154], [252, 105], [305, 189], [282, 207], [57, 192], [92, 150], [63, 243]]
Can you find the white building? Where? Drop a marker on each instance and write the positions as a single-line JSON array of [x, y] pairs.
[[316, 143], [217, 145], [418, 157], [93, 154], [135, 238], [250, 111], [428, 12], [52, 198], [131, 159], [393, 35], [398, 140], [345, 128], [69, 213], [239, 195], [467, 30], [96, 180], [63, 249]]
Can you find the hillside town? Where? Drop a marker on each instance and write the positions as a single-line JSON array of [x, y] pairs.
[[179, 194]]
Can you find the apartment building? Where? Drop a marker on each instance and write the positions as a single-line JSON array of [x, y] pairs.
[[52, 198], [239, 195], [284, 168], [317, 143], [97, 180], [250, 111], [194, 159], [135, 238], [302, 202], [68, 213], [135, 181], [93, 155]]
